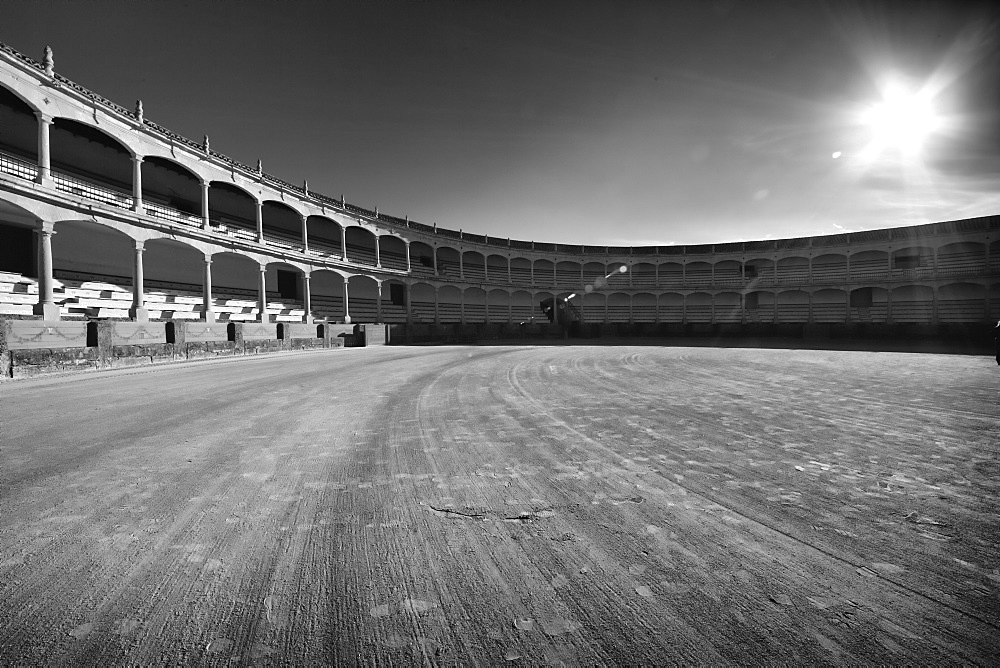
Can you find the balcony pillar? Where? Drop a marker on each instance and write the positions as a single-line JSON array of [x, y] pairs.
[[437, 308], [408, 267], [461, 266], [378, 299], [46, 306], [44, 176], [408, 288], [347, 309], [204, 205], [378, 257], [262, 293], [138, 311], [305, 232], [306, 299], [137, 184], [343, 244], [461, 306], [510, 279], [206, 287], [434, 254]]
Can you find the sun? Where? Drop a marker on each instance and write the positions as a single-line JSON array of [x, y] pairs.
[[902, 121]]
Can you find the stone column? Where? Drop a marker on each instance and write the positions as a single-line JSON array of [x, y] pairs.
[[408, 268], [207, 300], [532, 270], [378, 299], [461, 266], [510, 308], [461, 306], [44, 176], [888, 305], [138, 311], [343, 244], [46, 306], [409, 288], [137, 184], [262, 293], [306, 298], [434, 254], [437, 310], [305, 232], [809, 317], [510, 280], [347, 310], [378, 258], [555, 309], [260, 221], [486, 268], [205, 219]]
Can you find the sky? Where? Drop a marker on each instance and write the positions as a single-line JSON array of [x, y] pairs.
[[603, 123]]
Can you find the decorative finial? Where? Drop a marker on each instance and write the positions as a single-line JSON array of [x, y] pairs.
[[138, 111], [260, 167], [204, 143], [376, 212], [47, 61], [305, 186], [341, 199]]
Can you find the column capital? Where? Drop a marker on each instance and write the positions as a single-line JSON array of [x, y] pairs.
[[140, 246], [46, 227], [44, 118], [262, 268], [138, 158], [208, 259]]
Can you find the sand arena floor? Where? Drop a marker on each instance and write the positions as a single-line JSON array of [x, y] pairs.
[[484, 505]]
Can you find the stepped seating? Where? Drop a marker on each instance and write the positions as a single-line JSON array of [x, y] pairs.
[[961, 264]]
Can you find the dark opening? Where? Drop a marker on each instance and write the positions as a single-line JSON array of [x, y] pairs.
[[17, 250], [861, 298], [750, 271], [752, 300], [288, 284], [171, 332], [319, 331], [397, 294], [92, 334], [281, 331], [231, 331], [907, 261], [426, 261]]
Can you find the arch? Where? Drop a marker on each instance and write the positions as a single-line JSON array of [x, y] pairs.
[[360, 245], [20, 126], [593, 306], [912, 258], [793, 305], [594, 274], [325, 237], [618, 275], [544, 272], [363, 297], [392, 252], [913, 303], [449, 304], [759, 306], [421, 259], [794, 269], [643, 274], [520, 271], [619, 307], [829, 304], [281, 225], [496, 266], [671, 274], [89, 162], [499, 303], [728, 307], [524, 308], [698, 272], [92, 251], [644, 307], [728, 272], [962, 302], [168, 183], [869, 304], [698, 307], [474, 300], [759, 271], [232, 210], [174, 279], [869, 264], [422, 302], [963, 258], [568, 274], [394, 300], [670, 306], [829, 267], [474, 266], [448, 262]]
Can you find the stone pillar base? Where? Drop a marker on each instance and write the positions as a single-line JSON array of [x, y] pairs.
[[347, 320], [307, 319], [46, 181], [139, 314], [209, 316], [47, 311]]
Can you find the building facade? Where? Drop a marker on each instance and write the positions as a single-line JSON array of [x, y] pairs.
[[105, 214]]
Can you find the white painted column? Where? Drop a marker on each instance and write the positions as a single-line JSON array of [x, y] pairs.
[[207, 300], [434, 254], [347, 310], [510, 306], [137, 184], [437, 309], [138, 311], [409, 309], [44, 176], [305, 232], [262, 294], [46, 306], [343, 244], [378, 260], [408, 268], [204, 205], [461, 306], [306, 298], [378, 300], [509, 278], [461, 266]]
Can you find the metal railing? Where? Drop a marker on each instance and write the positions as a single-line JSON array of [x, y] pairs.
[[17, 167], [75, 186], [160, 211]]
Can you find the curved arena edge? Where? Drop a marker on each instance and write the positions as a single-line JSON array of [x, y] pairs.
[[123, 243]]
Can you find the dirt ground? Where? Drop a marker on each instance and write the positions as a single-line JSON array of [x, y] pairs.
[[484, 505]]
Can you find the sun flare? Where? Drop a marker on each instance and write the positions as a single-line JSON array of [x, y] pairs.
[[902, 121]]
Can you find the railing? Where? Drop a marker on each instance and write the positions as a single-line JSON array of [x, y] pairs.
[[75, 186], [160, 211], [17, 167], [235, 231]]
